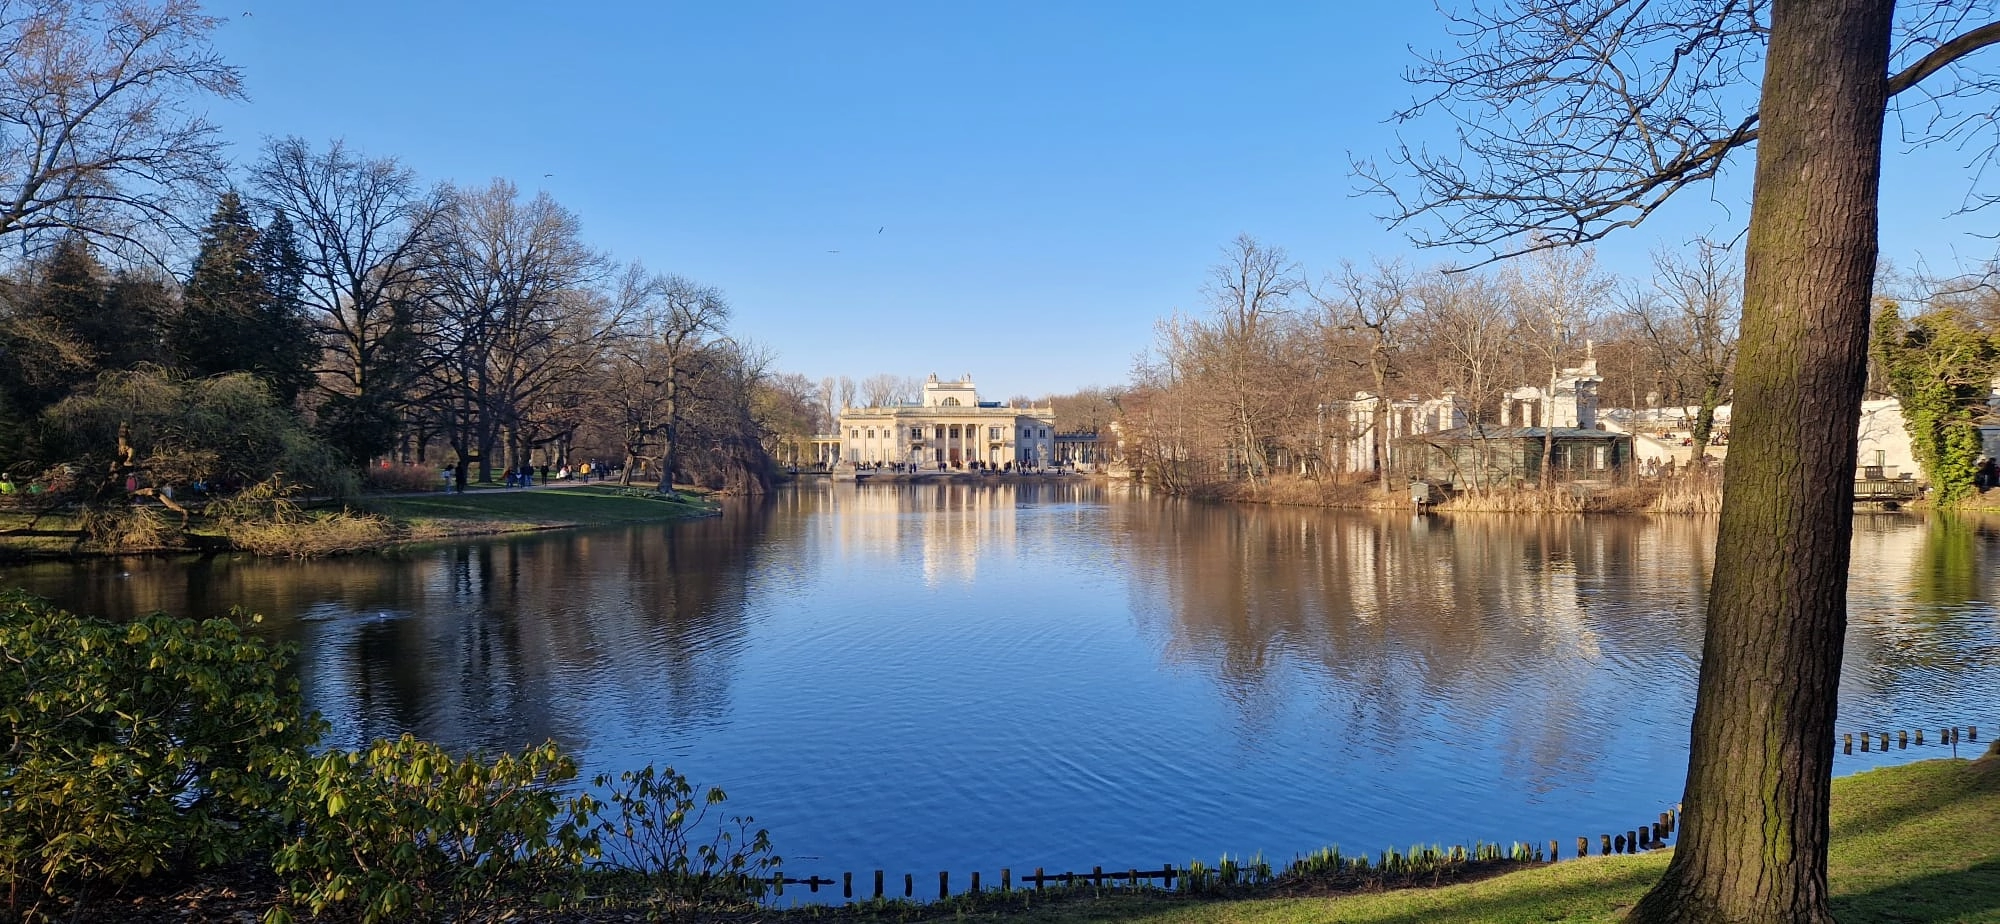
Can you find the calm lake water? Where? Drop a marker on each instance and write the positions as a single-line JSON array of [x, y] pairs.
[[919, 678]]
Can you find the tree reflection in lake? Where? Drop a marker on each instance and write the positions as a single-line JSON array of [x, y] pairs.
[[1923, 642], [1438, 627], [482, 645]]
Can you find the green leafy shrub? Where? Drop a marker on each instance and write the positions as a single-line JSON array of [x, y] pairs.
[[155, 745], [404, 829], [647, 820]]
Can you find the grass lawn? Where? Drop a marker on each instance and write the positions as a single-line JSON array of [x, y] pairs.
[[53, 534], [1915, 843], [411, 518], [429, 516]]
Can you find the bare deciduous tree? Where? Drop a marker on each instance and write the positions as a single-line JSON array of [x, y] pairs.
[[513, 320], [1686, 316], [1375, 304], [365, 230], [99, 130], [674, 324], [1555, 294], [1239, 354], [883, 389], [1462, 319]]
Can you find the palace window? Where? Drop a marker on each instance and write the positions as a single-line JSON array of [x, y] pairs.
[[916, 433], [949, 402], [992, 433], [940, 431]]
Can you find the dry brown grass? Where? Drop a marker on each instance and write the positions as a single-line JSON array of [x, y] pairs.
[[1693, 492], [314, 536], [264, 520], [130, 529], [1516, 499], [1293, 490], [1690, 492]]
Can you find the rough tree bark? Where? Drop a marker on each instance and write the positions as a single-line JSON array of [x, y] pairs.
[[1753, 843]]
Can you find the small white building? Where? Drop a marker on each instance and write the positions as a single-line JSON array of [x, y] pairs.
[[1884, 444], [949, 428], [1569, 402]]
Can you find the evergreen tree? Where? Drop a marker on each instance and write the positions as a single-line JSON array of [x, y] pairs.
[[293, 351], [235, 316], [61, 314], [131, 330]]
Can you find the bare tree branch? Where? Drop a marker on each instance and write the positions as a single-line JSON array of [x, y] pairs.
[[1572, 120]]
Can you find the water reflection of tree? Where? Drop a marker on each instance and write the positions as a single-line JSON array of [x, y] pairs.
[[1933, 641], [490, 644], [1509, 633], [1947, 572]]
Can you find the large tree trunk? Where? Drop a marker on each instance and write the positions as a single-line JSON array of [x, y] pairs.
[[670, 430], [1753, 846]]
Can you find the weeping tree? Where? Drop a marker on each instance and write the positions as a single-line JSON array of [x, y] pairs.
[[1574, 119], [151, 432]]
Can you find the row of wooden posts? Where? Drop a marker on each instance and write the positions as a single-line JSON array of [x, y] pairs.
[[1652, 834], [1096, 877], [1647, 836], [1950, 736]]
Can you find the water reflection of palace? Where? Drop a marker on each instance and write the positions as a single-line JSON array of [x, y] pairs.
[[941, 531]]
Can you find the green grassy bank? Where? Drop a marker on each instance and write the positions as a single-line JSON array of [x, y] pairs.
[[435, 516]]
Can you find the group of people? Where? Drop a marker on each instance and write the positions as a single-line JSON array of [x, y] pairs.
[[953, 465], [1654, 468], [526, 475]]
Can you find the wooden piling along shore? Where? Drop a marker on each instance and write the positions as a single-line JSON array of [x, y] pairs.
[[1652, 833], [1949, 736]]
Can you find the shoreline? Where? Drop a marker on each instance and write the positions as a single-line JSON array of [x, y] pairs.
[[1887, 823], [411, 520]]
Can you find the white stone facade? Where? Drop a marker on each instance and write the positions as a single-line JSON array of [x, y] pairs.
[[949, 429], [1403, 418], [1569, 402]]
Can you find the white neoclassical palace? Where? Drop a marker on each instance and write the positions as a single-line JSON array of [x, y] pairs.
[[949, 429]]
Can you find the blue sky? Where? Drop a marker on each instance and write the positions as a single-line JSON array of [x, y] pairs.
[[1048, 179]]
